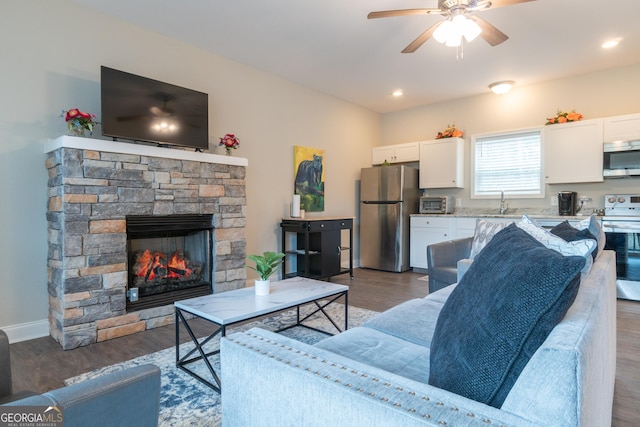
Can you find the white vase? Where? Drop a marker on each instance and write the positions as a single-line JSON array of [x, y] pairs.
[[263, 287]]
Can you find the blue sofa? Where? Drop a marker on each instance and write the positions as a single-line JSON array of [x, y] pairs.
[[130, 397], [378, 374]]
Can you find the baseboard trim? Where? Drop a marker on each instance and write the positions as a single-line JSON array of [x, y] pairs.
[[27, 331]]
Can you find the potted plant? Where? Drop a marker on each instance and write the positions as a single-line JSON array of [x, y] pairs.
[[266, 264]]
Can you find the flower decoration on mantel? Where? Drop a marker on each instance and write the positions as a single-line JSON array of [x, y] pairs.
[[564, 117], [78, 121], [450, 132], [229, 142]]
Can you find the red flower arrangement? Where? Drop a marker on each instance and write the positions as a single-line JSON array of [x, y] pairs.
[[564, 117], [229, 142], [79, 121]]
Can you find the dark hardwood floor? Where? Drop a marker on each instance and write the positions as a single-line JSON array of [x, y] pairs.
[[42, 365]]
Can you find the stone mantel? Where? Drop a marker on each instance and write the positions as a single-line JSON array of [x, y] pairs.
[[83, 143]]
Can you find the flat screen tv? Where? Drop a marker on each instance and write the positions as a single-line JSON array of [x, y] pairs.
[[142, 109]]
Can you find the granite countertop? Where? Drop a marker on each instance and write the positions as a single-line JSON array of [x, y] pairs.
[[515, 213]]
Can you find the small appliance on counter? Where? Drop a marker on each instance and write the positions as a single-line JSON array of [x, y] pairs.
[[567, 203], [437, 204]]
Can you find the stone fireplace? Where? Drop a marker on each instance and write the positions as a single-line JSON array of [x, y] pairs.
[[95, 186]]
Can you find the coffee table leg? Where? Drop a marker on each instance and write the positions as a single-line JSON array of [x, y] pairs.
[[321, 309], [182, 362]]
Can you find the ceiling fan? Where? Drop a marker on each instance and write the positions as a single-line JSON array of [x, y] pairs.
[[459, 22]]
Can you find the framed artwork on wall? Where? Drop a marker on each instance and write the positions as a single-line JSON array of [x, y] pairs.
[[308, 170]]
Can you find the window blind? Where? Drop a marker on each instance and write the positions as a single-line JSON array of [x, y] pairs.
[[509, 163]]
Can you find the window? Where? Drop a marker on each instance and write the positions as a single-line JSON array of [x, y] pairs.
[[509, 162]]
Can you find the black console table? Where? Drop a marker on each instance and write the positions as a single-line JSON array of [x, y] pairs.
[[317, 245]]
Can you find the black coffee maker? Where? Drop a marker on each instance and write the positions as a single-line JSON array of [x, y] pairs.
[[567, 203]]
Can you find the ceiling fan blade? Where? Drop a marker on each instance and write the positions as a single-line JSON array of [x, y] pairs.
[[419, 41], [491, 34], [500, 3], [401, 12]]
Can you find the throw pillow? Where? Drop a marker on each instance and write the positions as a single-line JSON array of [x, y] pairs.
[[484, 232], [569, 233], [502, 310], [581, 247], [595, 227]]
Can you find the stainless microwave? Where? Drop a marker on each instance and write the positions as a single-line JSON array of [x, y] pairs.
[[437, 204], [621, 158]]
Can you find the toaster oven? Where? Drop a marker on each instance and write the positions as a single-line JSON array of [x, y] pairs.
[[437, 204]]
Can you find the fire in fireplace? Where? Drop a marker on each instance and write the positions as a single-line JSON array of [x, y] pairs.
[[169, 259]]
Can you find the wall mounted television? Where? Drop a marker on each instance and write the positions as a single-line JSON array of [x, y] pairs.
[[145, 110]]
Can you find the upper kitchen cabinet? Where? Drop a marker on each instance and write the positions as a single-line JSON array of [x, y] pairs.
[[399, 153], [442, 163], [573, 152], [622, 128]]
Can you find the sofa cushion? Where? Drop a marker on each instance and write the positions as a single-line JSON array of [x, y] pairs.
[[572, 234], [381, 350], [504, 307], [484, 232], [413, 320]]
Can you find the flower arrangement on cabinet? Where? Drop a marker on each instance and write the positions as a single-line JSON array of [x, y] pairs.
[[564, 117], [450, 132], [229, 142], [78, 121]]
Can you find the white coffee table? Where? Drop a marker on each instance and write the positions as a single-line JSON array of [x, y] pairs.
[[228, 308]]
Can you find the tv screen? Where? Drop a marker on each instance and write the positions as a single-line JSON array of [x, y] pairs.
[[143, 109]]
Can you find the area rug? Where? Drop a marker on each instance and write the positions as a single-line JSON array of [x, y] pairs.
[[184, 401]]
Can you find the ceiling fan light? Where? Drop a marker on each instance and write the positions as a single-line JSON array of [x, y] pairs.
[[454, 40], [471, 30], [441, 34], [500, 88]]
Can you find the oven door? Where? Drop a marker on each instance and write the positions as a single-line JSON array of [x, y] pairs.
[[623, 237]]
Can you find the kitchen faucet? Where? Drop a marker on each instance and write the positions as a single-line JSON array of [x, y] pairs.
[[503, 206]]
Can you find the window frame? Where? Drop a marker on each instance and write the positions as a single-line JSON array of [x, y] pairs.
[[472, 177]]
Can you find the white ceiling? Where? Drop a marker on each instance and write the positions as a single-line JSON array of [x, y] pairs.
[[331, 46]]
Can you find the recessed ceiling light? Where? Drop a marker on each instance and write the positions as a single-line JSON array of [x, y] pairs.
[[502, 87], [611, 43], [397, 93]]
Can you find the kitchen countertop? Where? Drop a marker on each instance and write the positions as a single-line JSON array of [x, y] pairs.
[[511, 213]]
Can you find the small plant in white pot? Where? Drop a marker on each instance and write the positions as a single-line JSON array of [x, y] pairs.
[[266, 264]]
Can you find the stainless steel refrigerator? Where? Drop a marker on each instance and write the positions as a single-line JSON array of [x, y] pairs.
[[388, 195]]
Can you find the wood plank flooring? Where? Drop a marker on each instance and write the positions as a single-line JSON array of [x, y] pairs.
[[42, 365]]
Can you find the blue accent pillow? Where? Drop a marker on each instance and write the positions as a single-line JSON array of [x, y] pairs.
[[569, 233], [502, 310]]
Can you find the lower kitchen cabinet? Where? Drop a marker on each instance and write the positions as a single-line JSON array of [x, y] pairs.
[[425, 231], [313, 248]]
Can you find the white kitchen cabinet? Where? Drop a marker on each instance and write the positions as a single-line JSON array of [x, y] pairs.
[[622, 128], [573, 152], [442, 163], [424, 231], [399, 153], [465, 227]]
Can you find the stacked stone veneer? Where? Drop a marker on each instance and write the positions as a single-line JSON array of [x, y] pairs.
[[90, 194]]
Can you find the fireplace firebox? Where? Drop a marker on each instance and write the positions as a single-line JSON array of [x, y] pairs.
[[169, 259]]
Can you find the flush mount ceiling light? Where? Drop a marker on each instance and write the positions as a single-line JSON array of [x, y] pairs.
[[611, 43], [397, 93], [502, 87]]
